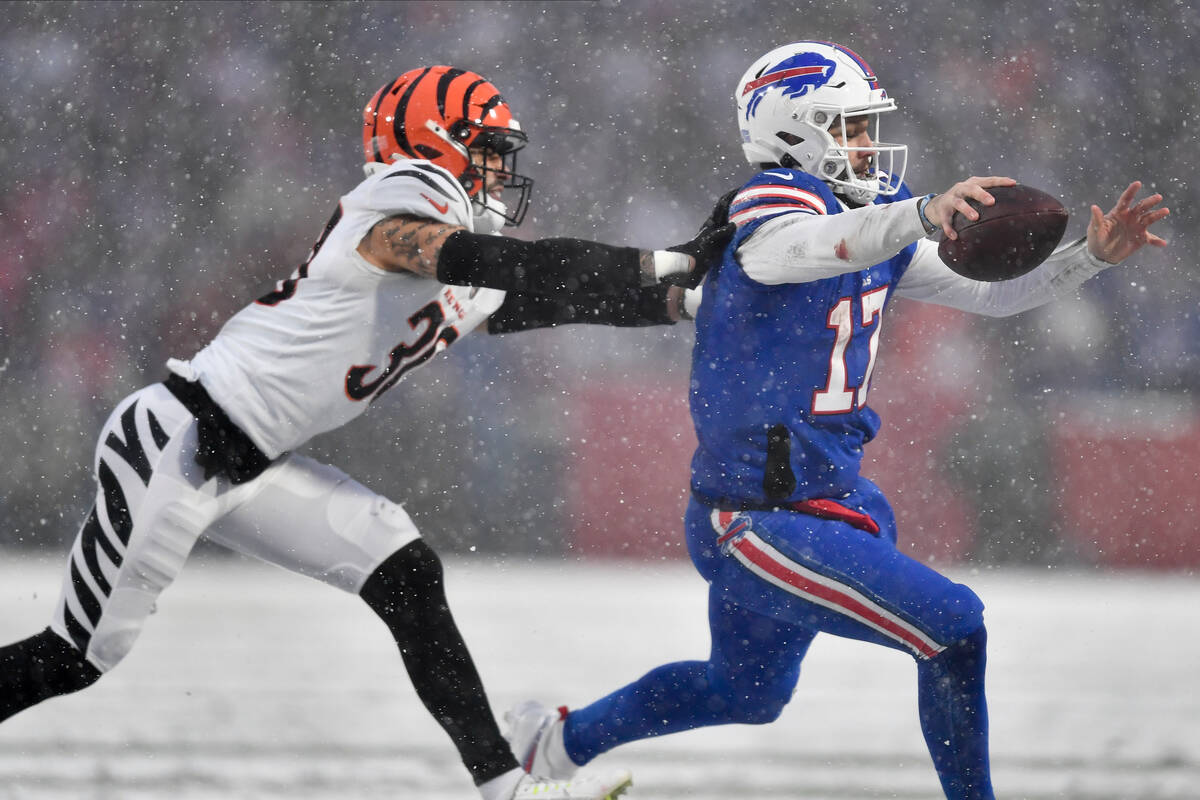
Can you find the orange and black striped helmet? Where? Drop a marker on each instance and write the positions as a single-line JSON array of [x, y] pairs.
[[439, 114]]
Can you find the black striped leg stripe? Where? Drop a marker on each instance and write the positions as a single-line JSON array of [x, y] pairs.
[[115, 504], [156, 430], [87, 600], [113, 538], [80, 635], [93, 537], [130, 450]]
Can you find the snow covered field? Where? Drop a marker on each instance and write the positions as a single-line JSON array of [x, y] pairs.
[[252, 683]]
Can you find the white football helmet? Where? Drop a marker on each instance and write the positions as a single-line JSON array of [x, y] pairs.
[[787, 103]]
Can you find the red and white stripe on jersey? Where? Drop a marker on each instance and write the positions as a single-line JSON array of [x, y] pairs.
[[776, 568], [770, 199]]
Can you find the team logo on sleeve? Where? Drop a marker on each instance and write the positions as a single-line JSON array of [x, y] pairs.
[[797, 75]]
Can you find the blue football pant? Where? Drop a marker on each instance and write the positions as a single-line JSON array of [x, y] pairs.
[[777, 578]]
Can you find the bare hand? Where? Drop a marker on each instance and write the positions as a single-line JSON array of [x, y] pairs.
[[940, 210], [1115, 236]]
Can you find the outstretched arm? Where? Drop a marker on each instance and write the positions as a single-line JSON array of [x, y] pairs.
[[664, 304], [806, 246], [632, 308], [453, 255], [1111, 238]]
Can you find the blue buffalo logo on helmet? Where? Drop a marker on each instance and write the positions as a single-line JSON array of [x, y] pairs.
[[798, 76]]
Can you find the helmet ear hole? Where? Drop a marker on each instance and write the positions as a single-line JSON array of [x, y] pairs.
[[790, 137], [427, 152], [460, 131]]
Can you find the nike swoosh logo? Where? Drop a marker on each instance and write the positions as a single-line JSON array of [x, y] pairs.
[[442, 208], [785, 175]]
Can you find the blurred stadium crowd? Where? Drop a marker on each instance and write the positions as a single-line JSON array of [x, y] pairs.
[[164, 163]]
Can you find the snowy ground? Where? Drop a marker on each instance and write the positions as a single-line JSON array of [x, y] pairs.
[[251, 683]]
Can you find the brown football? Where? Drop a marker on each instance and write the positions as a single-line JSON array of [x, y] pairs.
[[1010, 237]]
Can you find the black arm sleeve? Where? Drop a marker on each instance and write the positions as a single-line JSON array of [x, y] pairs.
[[547, 266], [632, 308]]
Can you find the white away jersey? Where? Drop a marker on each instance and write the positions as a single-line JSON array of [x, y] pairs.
[[313, 354]]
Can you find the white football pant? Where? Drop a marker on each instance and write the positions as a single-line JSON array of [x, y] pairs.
[[153, 503]]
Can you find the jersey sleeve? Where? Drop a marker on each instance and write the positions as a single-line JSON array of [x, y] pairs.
[[796, 245], [774, 193], [419, 188], [929, 280]]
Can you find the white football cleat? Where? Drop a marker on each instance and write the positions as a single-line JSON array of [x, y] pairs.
[[601, 785], [535, 734]]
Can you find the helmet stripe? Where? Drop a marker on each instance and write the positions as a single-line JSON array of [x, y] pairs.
[[466, 109], [443, 87], [383, 93], [862, 63], [398, 121], [375, 120], [776, 77], [495, 100]]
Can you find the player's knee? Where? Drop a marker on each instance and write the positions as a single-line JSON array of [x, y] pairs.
[[963, 615], [961, 662], [971, 646], [387, 526], [406, 585]]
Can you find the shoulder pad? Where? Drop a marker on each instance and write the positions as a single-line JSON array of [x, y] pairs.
[[422, 189], [781, 191]]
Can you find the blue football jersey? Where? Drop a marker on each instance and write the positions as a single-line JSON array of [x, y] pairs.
[[780, 374]]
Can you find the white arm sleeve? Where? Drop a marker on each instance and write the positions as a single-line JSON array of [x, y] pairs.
[[929, 280], [800, 247]]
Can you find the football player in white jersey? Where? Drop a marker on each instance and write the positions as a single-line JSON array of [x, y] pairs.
[[406, 266]]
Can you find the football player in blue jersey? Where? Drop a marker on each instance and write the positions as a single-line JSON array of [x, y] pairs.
[[790, 536]]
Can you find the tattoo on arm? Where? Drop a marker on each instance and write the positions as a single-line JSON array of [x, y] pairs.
[[406, 243]]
